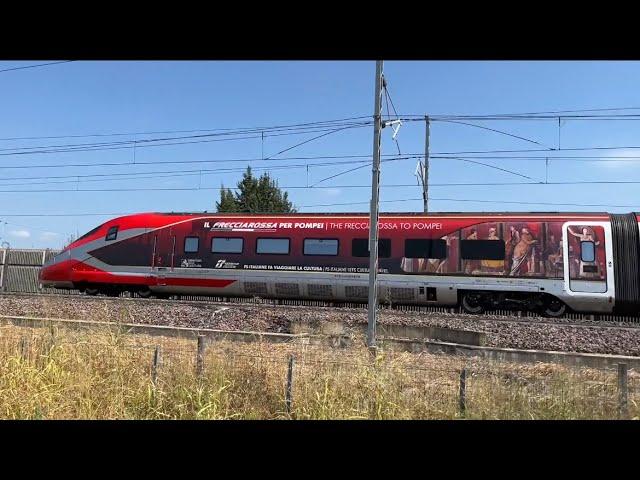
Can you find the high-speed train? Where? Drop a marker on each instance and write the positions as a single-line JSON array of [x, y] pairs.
[[544, 262]]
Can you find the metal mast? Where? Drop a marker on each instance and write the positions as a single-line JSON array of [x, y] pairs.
[[425, 168], [375, 204]]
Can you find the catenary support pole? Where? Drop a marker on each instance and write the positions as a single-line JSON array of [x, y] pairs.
[[373, 218], [425, 170]]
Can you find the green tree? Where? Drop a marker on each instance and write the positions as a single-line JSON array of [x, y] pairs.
[[227, 201], [255, 195]]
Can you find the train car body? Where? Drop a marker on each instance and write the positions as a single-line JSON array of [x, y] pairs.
[[589, 262]]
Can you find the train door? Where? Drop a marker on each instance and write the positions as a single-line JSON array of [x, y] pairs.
[[588, 266], [164, 243]]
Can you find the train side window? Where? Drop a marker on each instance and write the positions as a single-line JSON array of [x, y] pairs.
[[320, 246], [423, 248], [191, 244], [112, 234], [226, 245], [588, 251], [274, 246], [360, 247], [482, 249]]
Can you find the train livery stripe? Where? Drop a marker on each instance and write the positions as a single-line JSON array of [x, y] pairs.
[[197, 282], [149, 280], [84, 273]]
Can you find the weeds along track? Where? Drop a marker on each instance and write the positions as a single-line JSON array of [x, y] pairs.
[[102, 374], [587, 335]]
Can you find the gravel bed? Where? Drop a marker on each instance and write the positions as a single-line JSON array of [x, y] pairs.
[[510, 334]]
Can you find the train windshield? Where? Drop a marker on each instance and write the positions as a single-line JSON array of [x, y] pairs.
[[90, 232]]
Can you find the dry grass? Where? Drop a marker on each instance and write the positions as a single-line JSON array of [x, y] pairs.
[[106, 374]]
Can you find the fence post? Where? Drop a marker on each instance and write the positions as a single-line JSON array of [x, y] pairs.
[[289, 393], [200, 355], [623, 407], [154, 365], [5, 268], [373, 352], [463, 391], [24, 348]]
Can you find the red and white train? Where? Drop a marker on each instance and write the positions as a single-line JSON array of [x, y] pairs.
[[589, 262]]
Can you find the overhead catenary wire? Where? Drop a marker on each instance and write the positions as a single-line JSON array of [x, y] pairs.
[[285, 129], [535, 150], [31, 227], [297, 187], [367, 164], [476, 200], [579, 158], [551, 115], [173, 162], [492, 166], [437, 156], [493, 130], [35, 66], [306, 141], [210, 130], [413, 117], [227, 132], [572, 111], [148, 143], [338, 204], [443, 156], [172, 173], [297, 144]]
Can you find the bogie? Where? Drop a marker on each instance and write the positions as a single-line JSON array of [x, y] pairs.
[[553, 307], [144, 292], [476, 302]]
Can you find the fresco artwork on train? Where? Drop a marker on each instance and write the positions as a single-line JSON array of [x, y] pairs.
[[444, 259], [531, 249], [586, 253]]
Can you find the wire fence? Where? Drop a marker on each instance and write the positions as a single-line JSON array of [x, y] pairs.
[[136, 376]]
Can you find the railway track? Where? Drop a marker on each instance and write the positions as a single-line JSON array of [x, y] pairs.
[[576, 320], [584, 334]]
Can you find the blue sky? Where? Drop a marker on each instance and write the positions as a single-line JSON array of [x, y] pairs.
[[82, 98]]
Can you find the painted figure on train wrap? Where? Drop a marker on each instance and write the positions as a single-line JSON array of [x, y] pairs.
[[524, 254]]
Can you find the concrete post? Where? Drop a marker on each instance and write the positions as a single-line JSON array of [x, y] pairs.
[[200, 355], [3, 272], [289, 392], [154, 365], [463, 391], [623, 391]]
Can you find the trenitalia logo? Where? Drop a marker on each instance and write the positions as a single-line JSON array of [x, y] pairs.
[[226, 264]]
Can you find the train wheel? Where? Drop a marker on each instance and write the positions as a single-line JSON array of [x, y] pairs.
[[91, 291], [554, 308], [144, 293], [472, 302]]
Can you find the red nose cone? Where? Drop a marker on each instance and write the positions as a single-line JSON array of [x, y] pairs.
[[57, 275]]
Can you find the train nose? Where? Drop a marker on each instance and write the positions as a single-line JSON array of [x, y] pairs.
[[56, 272]]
